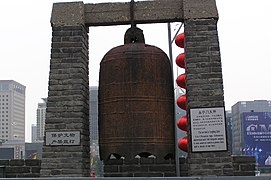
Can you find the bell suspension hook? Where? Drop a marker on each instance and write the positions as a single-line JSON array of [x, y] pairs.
[[133, 34], [132, 4]]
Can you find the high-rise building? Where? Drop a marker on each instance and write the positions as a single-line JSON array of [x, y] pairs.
[[96, 164], [12, 111], [34, 133], [229, 129], [251, 129], [41, 112], [93, 115]]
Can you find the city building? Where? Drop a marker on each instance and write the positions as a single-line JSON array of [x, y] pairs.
[[34, 133], [93, 115], [14, 149], [229, 129], [12, 111], [33, 150], [251, 129], [41, 112], [95, 162]]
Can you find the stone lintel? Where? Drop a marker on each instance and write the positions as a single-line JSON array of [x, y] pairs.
[[158, 11], [68, 13], [200, 9]]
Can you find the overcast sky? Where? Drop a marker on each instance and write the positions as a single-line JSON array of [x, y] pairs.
[[243, 28]]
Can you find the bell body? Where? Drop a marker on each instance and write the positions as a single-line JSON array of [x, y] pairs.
[[136, 103]]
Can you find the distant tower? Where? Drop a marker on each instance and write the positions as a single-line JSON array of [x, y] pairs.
[[12, 111], [41, 111], [93, 115], [34, 133]]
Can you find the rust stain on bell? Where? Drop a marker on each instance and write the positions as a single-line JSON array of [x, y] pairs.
[[136, 101]]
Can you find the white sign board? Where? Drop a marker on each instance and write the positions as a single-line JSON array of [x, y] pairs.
[[66, 138], [208, 129]]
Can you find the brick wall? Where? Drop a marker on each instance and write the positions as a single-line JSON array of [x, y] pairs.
[[141, 167], [144, 167], [21, 168], [183, 167], [244, 165]]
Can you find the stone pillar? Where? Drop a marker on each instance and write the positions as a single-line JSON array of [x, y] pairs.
[[66, 147], [204, 83]]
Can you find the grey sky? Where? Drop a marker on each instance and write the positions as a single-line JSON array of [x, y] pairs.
[[243, 28]]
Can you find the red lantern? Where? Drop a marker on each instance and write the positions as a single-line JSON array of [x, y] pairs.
[[181, 81], [180, 60], [92, 174], [179, 40], [183, 144], [182, 123], [181, 102]]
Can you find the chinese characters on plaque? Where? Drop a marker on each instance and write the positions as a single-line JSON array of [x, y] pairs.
[[208, 129], [69, 138]]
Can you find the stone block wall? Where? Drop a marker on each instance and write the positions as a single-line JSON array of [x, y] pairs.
[[183, 167], [21, 168], [141, 167], [244, 165]]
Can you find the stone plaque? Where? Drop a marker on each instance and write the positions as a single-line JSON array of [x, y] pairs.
[[66, 138], [208, 129]]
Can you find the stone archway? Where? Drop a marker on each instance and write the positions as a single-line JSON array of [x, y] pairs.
[[66, 147]]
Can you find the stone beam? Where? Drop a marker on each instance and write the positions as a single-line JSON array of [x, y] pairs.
[[158, 11], [106, 14]]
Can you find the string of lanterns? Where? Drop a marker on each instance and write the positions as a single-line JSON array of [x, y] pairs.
[[181, 100]]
